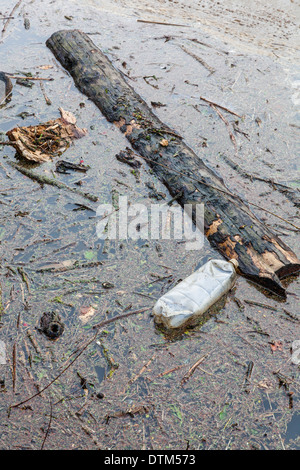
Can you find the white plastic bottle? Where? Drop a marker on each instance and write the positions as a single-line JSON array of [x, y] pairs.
[[195, 294]]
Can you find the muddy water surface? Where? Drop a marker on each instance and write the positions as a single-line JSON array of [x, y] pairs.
[[135, 365]]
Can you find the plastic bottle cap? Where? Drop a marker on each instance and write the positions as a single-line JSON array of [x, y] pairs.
[[234, 262]]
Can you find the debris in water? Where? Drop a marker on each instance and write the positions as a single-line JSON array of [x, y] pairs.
[[86, 313], [107, 285], [5, 88], [127, 156], [51, 325], [62, 166]]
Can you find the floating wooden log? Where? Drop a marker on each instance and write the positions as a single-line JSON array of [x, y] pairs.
[[229, 224]]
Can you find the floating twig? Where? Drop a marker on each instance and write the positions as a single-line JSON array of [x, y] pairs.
[[48, 101], [291, 315], [49, 426], [169, 371], [9, 17], [14, 364], [201, 61], [24, 278], [119, 317], [289, 192], [105, 322], [190, 372]]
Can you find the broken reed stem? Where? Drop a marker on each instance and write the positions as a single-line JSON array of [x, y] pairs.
[[198, 59], [105, 322]]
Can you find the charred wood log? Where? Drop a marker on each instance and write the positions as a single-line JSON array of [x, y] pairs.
[[230, 226]]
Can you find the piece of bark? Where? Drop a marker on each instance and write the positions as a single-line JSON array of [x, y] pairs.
[[229, 224]]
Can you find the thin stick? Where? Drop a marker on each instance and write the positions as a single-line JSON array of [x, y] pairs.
[[5, 171], [227, 125], [48, 101], [190, 372], [219, 106], [8, 142], [164, 24], [169, 371], [45, 180], [59, 375], [275, 215], [49, 425], [289, 192], [29, 78], [218, 189], [119, 317], [10, 17], [78, 355]]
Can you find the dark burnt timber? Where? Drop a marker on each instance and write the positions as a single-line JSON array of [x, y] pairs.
[[229, 224]]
